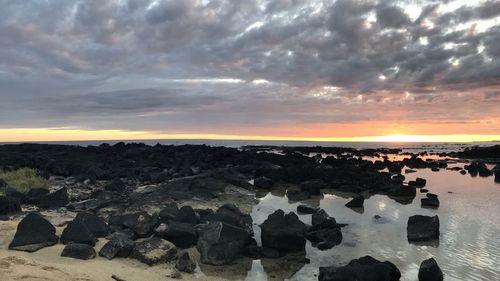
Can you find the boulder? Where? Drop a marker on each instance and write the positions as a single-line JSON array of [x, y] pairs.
[[321, 217], [263, 183], [79, 251], [362, 269], [324, 236], [312, 187], [154, 250], [77, 232], [182, 234], [257, 252], [186, 263], [188, 215], [231, 214], [478, 167], [33, 233], [430, 271], [34, 195], [169, 212], [297, 195], [55, 199], [118, 246], [94, 224], [221, 243], [141, 223], [115, 185], [422, 228], [283, 232], [356, 202], [430, 201], [9, 205], [306, 209]]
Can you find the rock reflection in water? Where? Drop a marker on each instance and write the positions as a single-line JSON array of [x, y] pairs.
[[468, 248]]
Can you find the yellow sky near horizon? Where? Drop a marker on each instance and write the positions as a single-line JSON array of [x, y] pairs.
[[62, 134]]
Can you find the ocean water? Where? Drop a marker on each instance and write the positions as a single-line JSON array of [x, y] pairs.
[[468, 247], [408, 147]]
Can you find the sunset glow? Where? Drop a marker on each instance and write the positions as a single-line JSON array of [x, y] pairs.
[[62, 134]]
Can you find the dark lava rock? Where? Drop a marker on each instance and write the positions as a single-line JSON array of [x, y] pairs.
[[33, 233], [34, 195], [423, 190], [297, 195], [141, 223], [94, 224], [154, 250], [115, 185], [9, 205], [169, 212], [119, 246], [430, 202], [478, 167], [324, 236], [362, 269], [312, 187], [283, 232], [55, 199], [12, 193], [77, 232], [496, 170], [430, 271], [231, 214], [422, 228], [306, 209], [186, 263], [221, 243], [79, 251], [356, 202], [321, 217], [188, 215], [182, 234], [263, 183], [404, 191], [257, 252]]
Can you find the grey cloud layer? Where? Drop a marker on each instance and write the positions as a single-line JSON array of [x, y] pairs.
[[117, 64]]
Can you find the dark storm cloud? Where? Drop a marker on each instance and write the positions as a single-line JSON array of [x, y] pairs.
[[103, 63]]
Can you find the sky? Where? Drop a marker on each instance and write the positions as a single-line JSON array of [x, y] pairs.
[[250, 69]]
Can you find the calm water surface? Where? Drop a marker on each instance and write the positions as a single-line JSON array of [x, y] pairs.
[[468, 248]]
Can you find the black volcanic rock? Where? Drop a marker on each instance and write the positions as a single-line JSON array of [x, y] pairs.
[[77, 232], [306, 209], [9, 205], [362, 269], [141, 223], [79, 251], [422, 228], [430, 271], [183, 235], [263, 183], [33, 233], [97, 226], [56, 199], [356, 202], [154, 250], [118, 246], [221, 243], [283, 232]]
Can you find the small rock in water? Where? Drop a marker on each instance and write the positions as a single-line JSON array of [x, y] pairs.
[[430, 271], [408, 171], [422, 228], [423, 190], [356, 202], [306, 209], [362, 269], [283, 232], [79, 251]]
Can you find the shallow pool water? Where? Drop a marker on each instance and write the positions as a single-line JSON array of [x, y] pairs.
[[469, 214]]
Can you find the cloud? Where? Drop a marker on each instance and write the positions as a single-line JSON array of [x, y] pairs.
[[184, 65]]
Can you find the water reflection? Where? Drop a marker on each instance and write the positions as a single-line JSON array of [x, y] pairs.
[[468, 248]]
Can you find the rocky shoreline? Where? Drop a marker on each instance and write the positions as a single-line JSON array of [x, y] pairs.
[[187, 207]]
